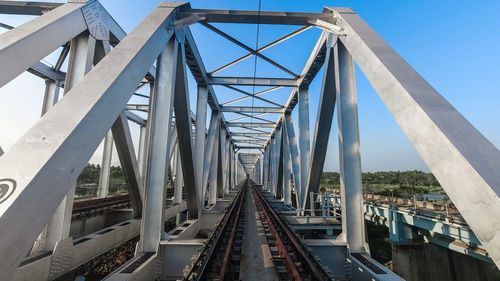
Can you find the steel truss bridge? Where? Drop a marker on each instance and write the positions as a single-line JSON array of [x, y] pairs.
[[206, 172]]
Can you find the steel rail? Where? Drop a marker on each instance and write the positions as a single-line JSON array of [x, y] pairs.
[[99, 203], [289, 263], [227, 256], [317, 271], [199, 268]]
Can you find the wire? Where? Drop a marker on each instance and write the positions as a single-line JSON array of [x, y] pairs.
[[255, 68]]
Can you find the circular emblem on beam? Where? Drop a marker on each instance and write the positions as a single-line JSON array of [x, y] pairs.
[[7, 187]]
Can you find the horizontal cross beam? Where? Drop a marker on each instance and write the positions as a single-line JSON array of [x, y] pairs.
[[250, 134], [256, 17], [250, 81], [249, 147], [26, 8], [251, 125], [251, 109]]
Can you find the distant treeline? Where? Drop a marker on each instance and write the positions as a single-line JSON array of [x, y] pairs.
[[91, 173], [406, 178]]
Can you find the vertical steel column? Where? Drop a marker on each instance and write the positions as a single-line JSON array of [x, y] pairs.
[[287, 168], [148, 133], [304, 144], [272, 164], [141, 149], [231, 153], [233, 167], [80, 62], [220, 178], [353, 223], [226, 164], [295, 157], [160, 115], [279, 162], [265, 175], [107, 154], [223, 153], [214, 163], [172, 155], [199, 147], [179, 178], [210, 155], [229, 165], [102, 48], [51, 95], [236, 178]]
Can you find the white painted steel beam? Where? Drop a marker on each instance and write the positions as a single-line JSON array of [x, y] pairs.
[[135, 118], [304, 143], [465, 163], [107, 153], [128, 162], [263, 48], [199, 147], [295, 157], [25, 45], [326, 108], [250, 125], [213, 164], [255, 17], [162, 101], [184, 132], [68, 134], [260, 55], [250, 109], [27, 7], [249, 81], [353, 224], [287, 168], [248, 95]]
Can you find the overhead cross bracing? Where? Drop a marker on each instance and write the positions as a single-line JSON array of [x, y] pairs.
[[106, 67]]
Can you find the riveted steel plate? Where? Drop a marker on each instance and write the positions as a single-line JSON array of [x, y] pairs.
[[97, 20]]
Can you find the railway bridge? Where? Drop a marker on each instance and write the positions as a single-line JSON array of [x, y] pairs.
[[227, 179]]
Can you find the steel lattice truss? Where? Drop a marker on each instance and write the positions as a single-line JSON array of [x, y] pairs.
[[106, 67]]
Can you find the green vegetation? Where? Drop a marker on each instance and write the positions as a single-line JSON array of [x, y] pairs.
[[393, 183], [87, 182]]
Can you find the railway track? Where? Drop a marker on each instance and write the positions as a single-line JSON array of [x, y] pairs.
[[86, 205], [220, 258]]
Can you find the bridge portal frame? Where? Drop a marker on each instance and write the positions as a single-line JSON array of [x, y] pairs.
[[452, 148]]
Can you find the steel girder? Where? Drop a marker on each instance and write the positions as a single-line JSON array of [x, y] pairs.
[[199, 146], [46, 176], [465, 163], [184, 133], [262, 17], [258, 81], [329, 89], [251, 109], [454, 150], [27, 7], [250, 125], [60, 25]]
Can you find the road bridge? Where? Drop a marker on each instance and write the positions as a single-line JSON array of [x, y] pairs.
[[214, 173]]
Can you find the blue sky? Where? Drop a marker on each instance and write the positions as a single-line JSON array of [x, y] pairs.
[[454, 45]]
